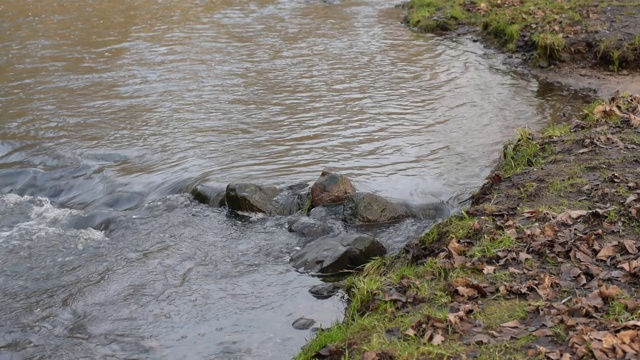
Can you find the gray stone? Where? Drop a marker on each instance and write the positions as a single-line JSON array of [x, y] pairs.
[[367, 208], [251, 197], [431, 211], [309, 228], [266, 199], [332, 254], [328, 212], [209, 195], [324, 290], [330, 188], [292, 199], [303, 323]]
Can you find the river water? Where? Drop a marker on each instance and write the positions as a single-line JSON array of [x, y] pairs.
[[112, 109]]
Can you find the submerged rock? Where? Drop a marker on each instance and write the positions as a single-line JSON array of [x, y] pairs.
[[332, 254], [303, 323], [309, 228], [330, 188], [368, 208], [326, 213], [209, 195], [266, 199], [292, 199], [432, 211], [324, 291]]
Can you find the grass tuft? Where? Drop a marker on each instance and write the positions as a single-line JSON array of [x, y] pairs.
[[549, 45], [521, 154], [556, 130]]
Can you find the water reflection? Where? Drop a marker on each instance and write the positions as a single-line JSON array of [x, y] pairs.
[[111, 108]]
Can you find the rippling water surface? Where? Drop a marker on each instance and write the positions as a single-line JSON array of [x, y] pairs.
[[111, 108]]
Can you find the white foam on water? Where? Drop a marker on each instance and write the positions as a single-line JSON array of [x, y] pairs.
[[42, 221]]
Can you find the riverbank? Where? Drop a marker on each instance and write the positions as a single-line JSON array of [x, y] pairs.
[[544, 263], [583, 44]]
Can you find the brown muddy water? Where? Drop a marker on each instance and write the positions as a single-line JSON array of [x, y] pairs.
[[110, 109]]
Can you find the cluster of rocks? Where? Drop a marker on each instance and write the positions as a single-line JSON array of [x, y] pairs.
[[319, 214]]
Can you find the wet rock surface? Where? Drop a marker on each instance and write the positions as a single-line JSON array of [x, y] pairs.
[[324, 291], [329, 212], [210, 195], [311, 229], [303, 323], [368, 208], [331, 188], [270, 200], [325, 231], [333, 254]]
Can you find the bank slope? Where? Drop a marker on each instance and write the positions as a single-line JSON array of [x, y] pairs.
[[544, 264]]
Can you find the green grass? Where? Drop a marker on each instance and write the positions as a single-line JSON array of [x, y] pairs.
[[458, 226], [618, 312], [488, 247], [549, 45], [556, 130], [521, 154], [432, 15], [542, 23], [590, 117], [307, 207], [366, 329], [561, 186], [499, 311]]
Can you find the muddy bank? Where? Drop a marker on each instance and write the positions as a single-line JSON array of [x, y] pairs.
[[544, 264], [573, 42]]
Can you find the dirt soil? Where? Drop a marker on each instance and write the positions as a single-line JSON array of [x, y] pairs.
[[593, 81]]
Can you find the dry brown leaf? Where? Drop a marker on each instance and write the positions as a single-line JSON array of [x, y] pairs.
[[607, 251], [610, 340], [609, 293], [627, 336], [542, 332], [631, 305], [630, 245], [615, 140], [523, 256], [594, 299], [634, 120], [631, 198], [479, 289], [479, 339], [600, 355], [512, 324], [570, 215], [488, 269], [583, 256], [630, 265], [549, 230], [410, 332], [427, 335], [394, 295], [437, 339], [457, 282], [628, 350], [468, 293], [456, 247]]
